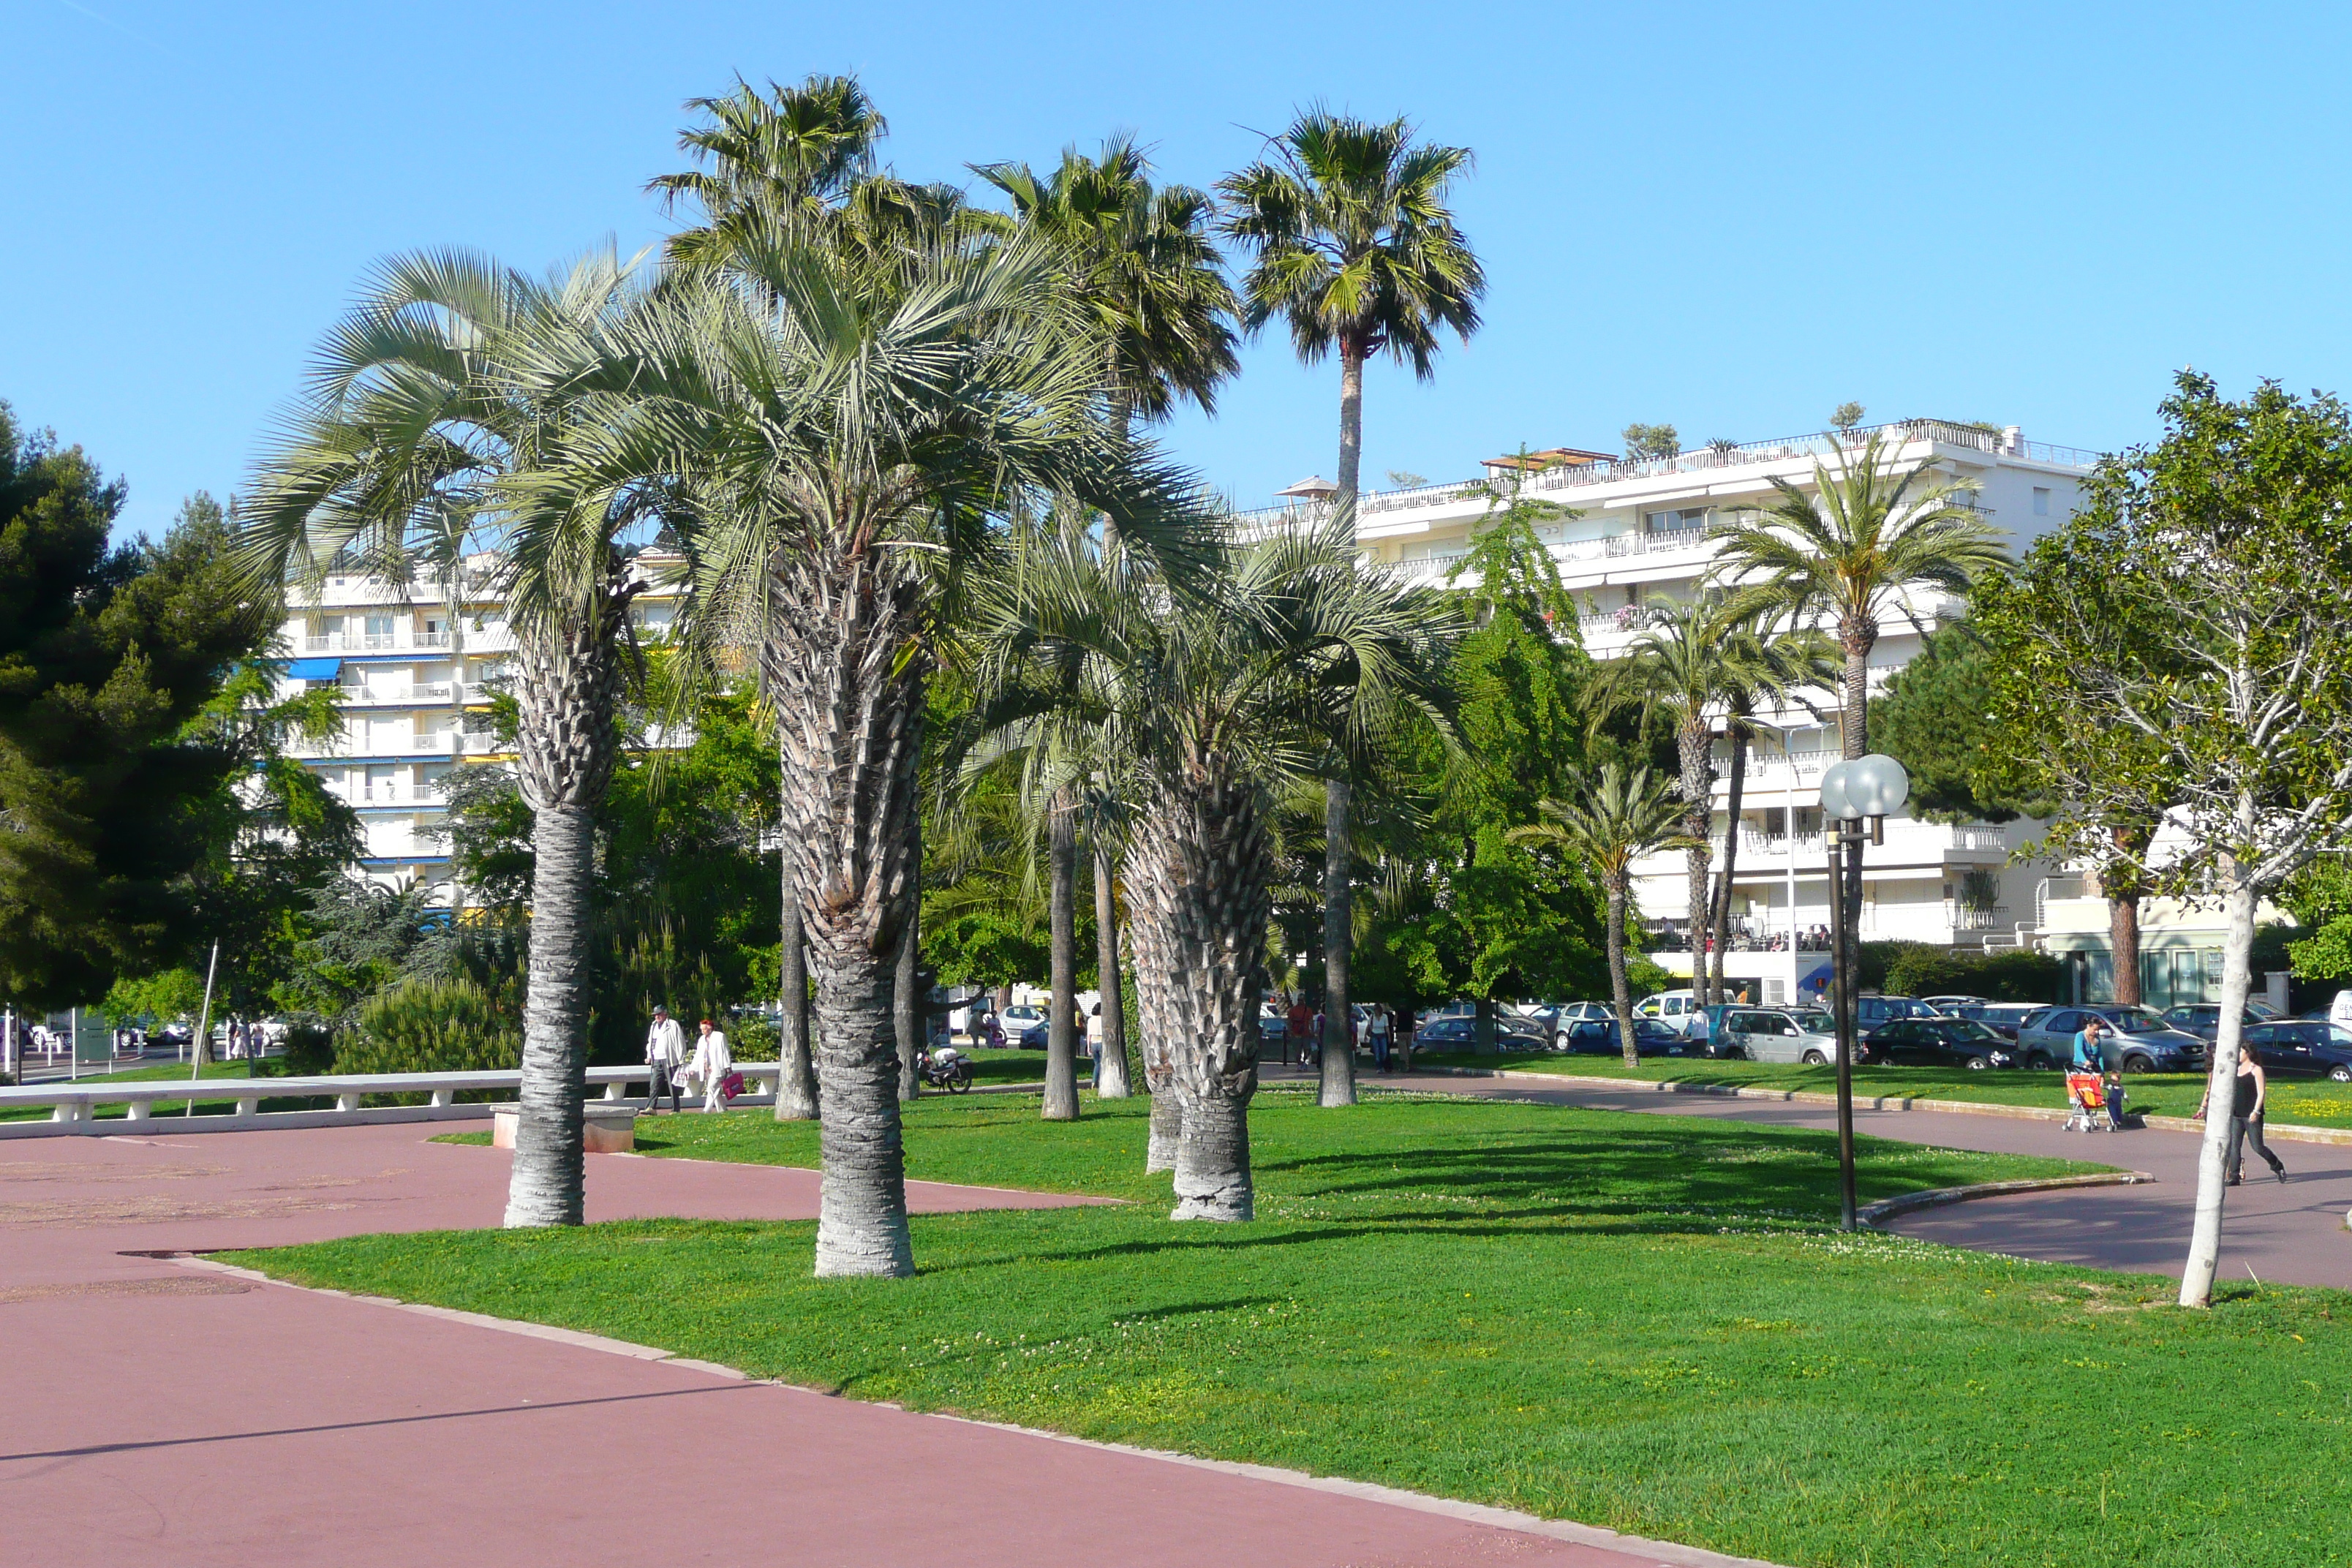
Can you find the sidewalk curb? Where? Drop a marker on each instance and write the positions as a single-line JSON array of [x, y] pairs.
[[1937, 1197], [1666, 1554], [2293, 1132]]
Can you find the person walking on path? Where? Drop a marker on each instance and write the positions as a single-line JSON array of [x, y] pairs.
[[2253, 1089], [665, 1054], [712, 1064], [1095, 1043], [1380, 1032]]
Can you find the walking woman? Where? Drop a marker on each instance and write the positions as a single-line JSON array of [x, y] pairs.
[[2246, 1115]]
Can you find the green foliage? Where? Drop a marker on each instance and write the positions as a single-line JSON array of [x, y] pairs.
[[1933, 719], [2010, 975], [2320, 899], [357, 939], [155, 999], [117, 784], [431, 1025], [1652, 441]]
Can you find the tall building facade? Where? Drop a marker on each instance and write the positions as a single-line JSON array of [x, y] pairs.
[[1646, 530], [414, 664]]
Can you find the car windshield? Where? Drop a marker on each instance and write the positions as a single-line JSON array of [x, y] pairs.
[[2135, 1021], [1960, 1032], [1816, 1022]]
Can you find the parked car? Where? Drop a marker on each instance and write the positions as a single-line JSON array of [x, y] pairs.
[[2204, 1019], [1950, 1005], [1767, 1034], [1676, 1009], [1459, 1033], [1940, 1043], [1564, 1020], [1871, 1010], [1017, 1020], [2001, 1017], [1599, 1037], [1031, 1036], [2142, 1041], [2300, 1047], [1272, 1029]]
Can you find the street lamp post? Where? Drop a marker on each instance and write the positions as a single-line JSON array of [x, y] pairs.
[[1864, 789]]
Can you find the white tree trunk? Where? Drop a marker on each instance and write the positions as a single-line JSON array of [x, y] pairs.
[[1337, 1085], [2238, 896], [1115, 1082]]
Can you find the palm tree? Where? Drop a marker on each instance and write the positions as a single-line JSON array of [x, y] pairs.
[[1868, 532], [1209, 699], [1355, 248], [436, 408], [792, 154], [1681, 668], [1765, 669], [1142, 262], [1614, 823], [845, 433]]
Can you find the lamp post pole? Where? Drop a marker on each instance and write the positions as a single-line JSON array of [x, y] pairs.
[[1865, 788]]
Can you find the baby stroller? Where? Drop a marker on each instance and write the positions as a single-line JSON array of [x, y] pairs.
[[2088, 1110]]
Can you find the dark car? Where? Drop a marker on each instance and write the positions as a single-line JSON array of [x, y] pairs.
[[2001, 1017], [2300, 1047], [2140, 1040], [1939, 1042], [1459, 1033], [1871, 1011], [2204, 1019], [1032, 1038], [1272, 1029], [1598, 1036]]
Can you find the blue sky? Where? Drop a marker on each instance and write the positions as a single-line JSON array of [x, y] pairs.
[[1727, 217]]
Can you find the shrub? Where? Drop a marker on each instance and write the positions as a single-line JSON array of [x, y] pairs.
[[750, 1037], [2010, 975], [430, 1026]]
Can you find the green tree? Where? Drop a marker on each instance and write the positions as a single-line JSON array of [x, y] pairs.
[[1613, 821], [1652, 441], [2182, 649], [1353, 246]]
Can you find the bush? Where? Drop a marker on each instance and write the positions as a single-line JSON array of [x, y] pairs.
[[750, 1037], [309, 1048], [430, 1026], [2010, 975]]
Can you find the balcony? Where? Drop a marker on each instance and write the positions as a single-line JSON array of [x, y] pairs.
[[366, 697], [403, 640]]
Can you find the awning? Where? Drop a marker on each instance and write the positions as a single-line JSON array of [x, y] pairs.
[[314, 669]]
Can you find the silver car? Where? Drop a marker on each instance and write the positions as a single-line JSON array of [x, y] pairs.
[[1766, 1035]]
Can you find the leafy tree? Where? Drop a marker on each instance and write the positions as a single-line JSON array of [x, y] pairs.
[[2182, 649], [1353, 246], [1652, 441], [121, 749], [1847, 415]]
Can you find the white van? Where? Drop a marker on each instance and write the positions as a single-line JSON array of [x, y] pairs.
[[1677, 1010]]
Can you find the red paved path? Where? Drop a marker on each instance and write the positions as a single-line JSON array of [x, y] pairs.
[[157, 1415], [2290, 1234]]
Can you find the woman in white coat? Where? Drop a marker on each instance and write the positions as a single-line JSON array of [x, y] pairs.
[[712, 1062]]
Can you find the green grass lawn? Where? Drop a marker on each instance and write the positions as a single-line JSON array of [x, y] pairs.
[[1634, 1320], [2314, 1101]]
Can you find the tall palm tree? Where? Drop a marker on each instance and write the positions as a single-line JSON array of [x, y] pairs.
[[438, 406], [790, 154], [1209, 699], [1354, 247], [1769, 667], [846, 433], [1143, 263], [1867, 532], [1682, 668], [1614, 823]]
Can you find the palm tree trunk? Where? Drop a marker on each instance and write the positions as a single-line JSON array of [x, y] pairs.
[[1198, 909], [905, 998], [849, 710], [796, 1074], [1351, 420], [1620, 992], [566, 681], [1338, 1082], [1061, 1097], [548, 1185], [1722, 904], [1693, 742], [1116, 1083]]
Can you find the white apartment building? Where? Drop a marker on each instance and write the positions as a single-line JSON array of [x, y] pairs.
[[412, 663], [1641, 532]]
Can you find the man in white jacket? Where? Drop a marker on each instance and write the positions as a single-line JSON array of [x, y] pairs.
[[665, 1052], [712, 1062]]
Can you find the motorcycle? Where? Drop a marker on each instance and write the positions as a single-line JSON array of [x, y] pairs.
[[946, 1067]]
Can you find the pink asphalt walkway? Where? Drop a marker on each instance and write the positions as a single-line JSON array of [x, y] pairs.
[[156, 1414], [2290, 1233]]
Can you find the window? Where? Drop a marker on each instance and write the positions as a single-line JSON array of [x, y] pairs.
[[1686, 519], [2041, 500]]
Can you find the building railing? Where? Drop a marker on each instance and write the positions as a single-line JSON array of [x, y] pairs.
[[1706, 460], [374, 642], [74, 1107]]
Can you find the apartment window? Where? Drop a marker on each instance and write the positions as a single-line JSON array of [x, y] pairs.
[[381, 784], [2041, 500], [1682, 521]]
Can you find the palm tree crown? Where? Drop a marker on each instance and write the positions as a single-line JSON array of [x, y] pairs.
[[1145, 264]]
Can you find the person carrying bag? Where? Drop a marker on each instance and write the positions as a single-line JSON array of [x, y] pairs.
[[664, 1051]]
